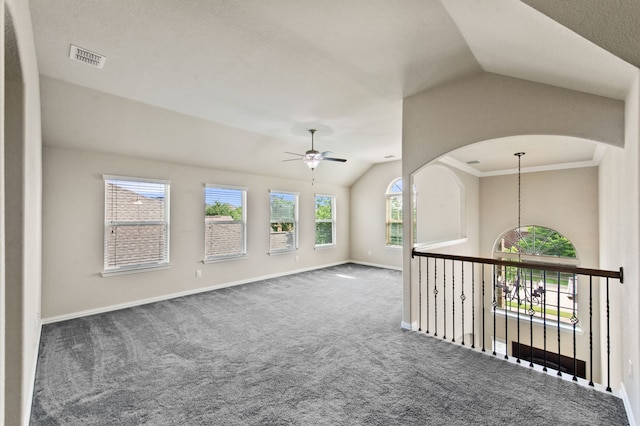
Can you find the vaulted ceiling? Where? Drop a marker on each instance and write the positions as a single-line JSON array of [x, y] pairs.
[[245, 80]]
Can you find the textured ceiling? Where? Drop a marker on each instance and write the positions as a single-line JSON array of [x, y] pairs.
[[276, 68], [613, 25]]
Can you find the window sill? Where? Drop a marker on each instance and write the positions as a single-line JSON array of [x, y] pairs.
[[539, 322], [324, 246], [113, 273], [225, 259], [394, 248], [276, 253]]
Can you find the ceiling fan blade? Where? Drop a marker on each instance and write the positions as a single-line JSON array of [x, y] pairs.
[[294, 153], [342, 160], [294, 159]]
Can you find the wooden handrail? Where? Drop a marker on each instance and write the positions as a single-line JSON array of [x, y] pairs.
[[527, 265]]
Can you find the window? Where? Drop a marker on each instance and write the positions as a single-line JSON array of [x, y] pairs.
[[531, 290], [283, 229], [224, 222], [394, 213], [325, 220], [136, 224]]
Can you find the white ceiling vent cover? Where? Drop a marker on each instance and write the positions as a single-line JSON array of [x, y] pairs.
[[88, 57]]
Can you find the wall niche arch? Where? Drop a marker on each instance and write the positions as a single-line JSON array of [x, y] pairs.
[[440, 203]]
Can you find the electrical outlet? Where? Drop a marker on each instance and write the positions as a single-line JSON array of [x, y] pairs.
[[630, 370], [198, 274], [369, 253], [297, 259]]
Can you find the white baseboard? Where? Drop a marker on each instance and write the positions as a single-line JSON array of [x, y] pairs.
[[110, 308], [627, 405], [406, 325], [376, 265]]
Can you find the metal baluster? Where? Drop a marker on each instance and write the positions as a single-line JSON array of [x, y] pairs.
[[453, 297], [558, 315], [590, 330], [419, 294], [518, 285], [608, 343], [544, 318], [506, 325], [483, 303], [473, 306], [495, 303], [428, 307], [462, 297], [531, 314], [435, 294], [574, 321], [444, 297]]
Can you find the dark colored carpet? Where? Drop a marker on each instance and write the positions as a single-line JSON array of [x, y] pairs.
[[317, 348]]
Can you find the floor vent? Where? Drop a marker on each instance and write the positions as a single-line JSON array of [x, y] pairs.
[[563, 363], [88, 57]]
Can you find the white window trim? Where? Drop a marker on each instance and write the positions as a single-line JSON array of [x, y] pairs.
[[243, 255], [295, 223], [388, 195], [332, 221], [134, 269], [542, 259]]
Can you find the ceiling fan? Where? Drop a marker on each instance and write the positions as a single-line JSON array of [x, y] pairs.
[[312, 157]]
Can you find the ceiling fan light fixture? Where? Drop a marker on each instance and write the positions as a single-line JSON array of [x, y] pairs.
[[312, 158], [312, 163]]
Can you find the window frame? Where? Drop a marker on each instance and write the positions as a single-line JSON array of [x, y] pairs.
[[242, 221], [542, 259], [333, 242], [296, 199], [389, 195], [139, 267]]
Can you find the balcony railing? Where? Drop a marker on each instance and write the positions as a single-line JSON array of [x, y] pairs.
[[531, 306]]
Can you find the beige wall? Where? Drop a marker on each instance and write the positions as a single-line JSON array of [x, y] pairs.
[[368, 216], [488, 106], [73, 240], [22, 197], [442, 203], [619, 246]]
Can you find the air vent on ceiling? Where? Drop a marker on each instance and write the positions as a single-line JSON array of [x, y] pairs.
[[88, 57], [473, 162]]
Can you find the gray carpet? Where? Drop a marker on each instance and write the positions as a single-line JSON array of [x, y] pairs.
[[316, 348]]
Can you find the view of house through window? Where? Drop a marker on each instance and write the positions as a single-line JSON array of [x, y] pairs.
[[552, 295], [225, 223], [325, 220], [283, 221], [136, 223]]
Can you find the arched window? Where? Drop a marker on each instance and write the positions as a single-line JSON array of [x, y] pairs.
[[552, 296], [394, 213]]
